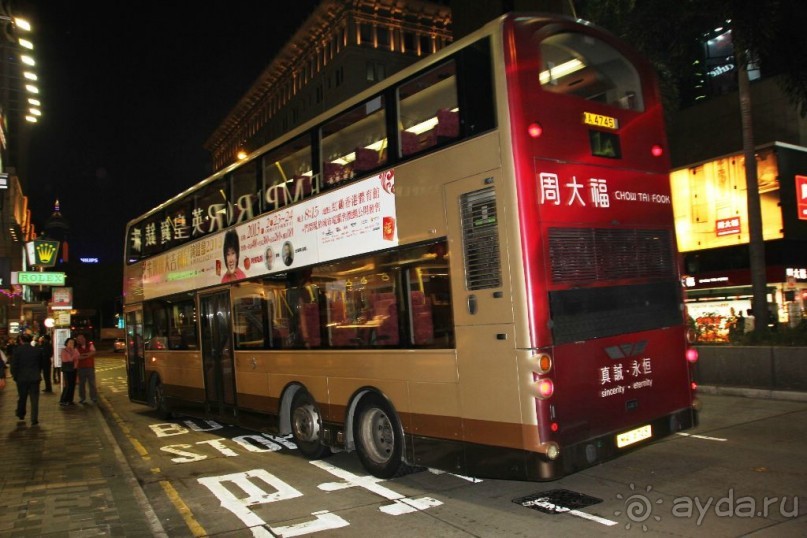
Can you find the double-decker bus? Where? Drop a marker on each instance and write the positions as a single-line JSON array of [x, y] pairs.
[[470, 266]]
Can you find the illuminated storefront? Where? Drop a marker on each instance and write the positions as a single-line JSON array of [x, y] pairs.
[[711, 220]]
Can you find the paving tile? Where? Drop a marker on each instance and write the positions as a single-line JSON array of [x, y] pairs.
[[62, 478]]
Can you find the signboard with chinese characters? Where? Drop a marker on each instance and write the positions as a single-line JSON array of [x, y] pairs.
[[727, 226], [356, 219]]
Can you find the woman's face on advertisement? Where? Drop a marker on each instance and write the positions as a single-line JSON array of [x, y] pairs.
[[231, 260]]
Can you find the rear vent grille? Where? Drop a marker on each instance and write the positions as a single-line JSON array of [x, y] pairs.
[[590, 255], [480, 233]]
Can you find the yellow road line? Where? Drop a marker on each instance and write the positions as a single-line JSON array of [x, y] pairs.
[[138, 446], [183, 509], [172, 493]]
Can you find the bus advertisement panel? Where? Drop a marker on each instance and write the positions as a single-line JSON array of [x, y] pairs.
[[356, 219]]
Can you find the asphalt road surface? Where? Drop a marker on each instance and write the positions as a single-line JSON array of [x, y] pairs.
[[742, 472]]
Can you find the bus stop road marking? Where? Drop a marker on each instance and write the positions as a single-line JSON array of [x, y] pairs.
[[591, 517]]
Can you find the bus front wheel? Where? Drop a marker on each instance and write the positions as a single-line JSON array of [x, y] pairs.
[[306, 426], [379, 438]]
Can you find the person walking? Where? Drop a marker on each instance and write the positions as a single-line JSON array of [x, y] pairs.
[[86, 369], [26, 368], [69, 356], [2, 370], [46, 350]]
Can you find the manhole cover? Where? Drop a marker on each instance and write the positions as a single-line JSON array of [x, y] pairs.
[[557, 501]]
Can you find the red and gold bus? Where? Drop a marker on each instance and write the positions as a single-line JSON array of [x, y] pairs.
[[470, 266]]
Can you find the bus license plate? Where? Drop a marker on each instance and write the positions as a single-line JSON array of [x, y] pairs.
[[634, 436]]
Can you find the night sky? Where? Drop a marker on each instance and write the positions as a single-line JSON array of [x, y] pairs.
[[130, 92]]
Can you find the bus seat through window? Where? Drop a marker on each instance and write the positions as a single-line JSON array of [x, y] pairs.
[[448, 125], [422, 318], [366, 159], [334, 173], [309, 324], [386, 312]]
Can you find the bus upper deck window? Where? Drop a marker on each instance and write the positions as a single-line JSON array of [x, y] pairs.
[[584, 66]]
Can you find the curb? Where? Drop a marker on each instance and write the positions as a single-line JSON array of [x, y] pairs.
[[749, 392], [155, 526]]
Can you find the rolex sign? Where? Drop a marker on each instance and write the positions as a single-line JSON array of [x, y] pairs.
[[42, 252]]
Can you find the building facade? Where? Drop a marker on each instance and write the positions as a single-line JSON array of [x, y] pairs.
[[344, 47], [711, 204], [20, 108]]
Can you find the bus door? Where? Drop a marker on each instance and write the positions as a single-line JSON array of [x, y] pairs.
[[217, 353], [135, 355], [483, 308]]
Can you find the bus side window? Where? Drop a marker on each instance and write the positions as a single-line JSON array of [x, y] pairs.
[[288, 174], [429, 113], [355, 142]]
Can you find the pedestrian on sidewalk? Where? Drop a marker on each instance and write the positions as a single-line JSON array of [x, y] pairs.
[[2, 370], [86, 369], [69, 358], [46, 349], [27, 372], [3, 360]]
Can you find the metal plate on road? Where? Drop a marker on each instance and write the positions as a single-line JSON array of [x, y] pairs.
[[557, 501]]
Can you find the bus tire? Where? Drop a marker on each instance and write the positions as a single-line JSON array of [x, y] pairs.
[[157, 398], [379, 438], [306, 426]]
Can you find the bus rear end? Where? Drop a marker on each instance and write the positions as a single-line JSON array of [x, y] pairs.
[[603, 294]]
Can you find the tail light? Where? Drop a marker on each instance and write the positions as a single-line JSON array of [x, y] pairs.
[[542, 363], [545, 388], [692, 355], [535, 130]]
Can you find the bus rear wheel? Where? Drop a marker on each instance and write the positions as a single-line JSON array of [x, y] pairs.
[[379, 438], [306, 426]]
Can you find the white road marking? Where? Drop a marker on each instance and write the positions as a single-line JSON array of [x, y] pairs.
[[705, 437]]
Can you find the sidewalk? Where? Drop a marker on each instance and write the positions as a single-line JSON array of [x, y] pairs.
[[66, 476]]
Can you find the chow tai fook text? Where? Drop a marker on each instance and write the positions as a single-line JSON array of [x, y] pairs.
[[589, 192], [356, 219]]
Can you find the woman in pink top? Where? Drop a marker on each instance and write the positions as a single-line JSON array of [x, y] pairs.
[[70, 356]]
